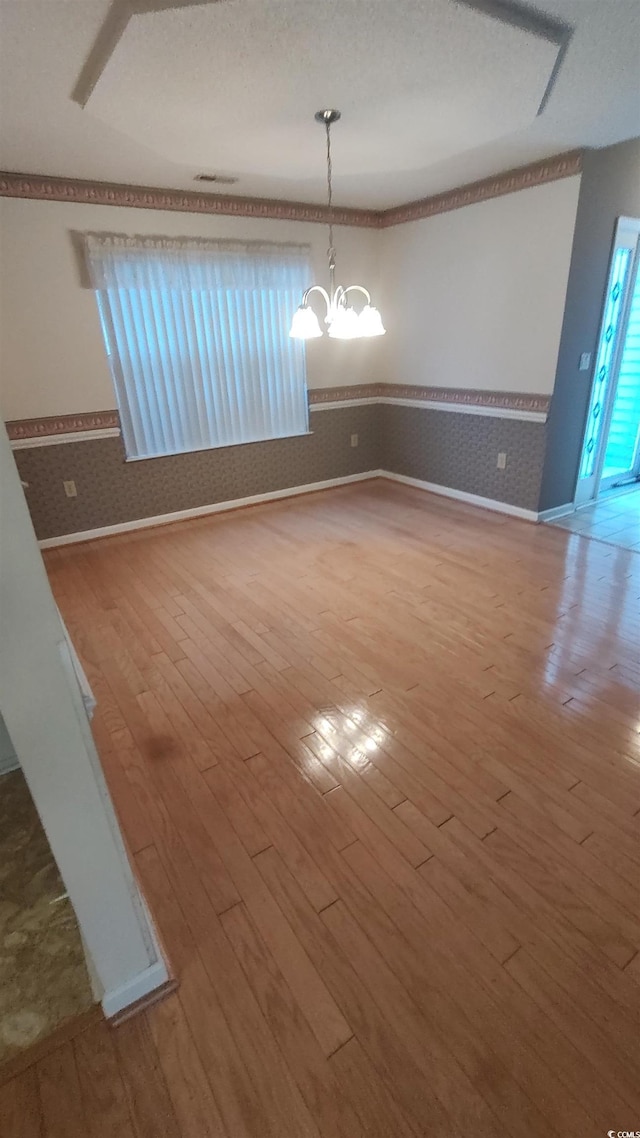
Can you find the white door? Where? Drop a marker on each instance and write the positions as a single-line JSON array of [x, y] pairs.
[[619, 295]]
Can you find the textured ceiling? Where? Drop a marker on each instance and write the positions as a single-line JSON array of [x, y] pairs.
[[234, 86], [433, 93]]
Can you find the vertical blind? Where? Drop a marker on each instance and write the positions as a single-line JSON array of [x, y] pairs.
[[196, 334]]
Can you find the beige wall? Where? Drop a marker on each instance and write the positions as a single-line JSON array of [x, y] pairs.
[[474, 298], [53, 359]]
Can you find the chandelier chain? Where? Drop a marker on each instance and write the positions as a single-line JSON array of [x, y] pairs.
[[330, 190], [343, 321]]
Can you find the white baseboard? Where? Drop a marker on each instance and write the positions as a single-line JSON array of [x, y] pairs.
[[135, 989], [462, 496], [290, 492], [556, 512], [201, 511], [9, 764]]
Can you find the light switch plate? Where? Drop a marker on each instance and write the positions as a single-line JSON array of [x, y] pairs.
[[70, 489], [585, 361]]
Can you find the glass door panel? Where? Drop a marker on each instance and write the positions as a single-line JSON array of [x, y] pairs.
[[616, 306], [622, 453]]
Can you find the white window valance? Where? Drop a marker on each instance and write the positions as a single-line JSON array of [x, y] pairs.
[[191, 262]]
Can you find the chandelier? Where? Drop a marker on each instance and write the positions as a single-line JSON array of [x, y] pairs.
[[342, 320]]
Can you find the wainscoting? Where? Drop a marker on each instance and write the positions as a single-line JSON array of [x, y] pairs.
[[112, 491], [460, 451], [453, 445]]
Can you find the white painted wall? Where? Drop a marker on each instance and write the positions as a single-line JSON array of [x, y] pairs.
[[41, 705], [53, 355], [475, 298]]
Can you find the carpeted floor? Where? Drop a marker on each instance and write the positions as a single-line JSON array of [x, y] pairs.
[[43, 974]]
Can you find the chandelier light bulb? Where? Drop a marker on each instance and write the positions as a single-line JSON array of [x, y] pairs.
[[345, 324], [370, 322], [305, 324]]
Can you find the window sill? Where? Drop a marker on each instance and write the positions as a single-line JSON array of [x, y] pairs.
[[224, 446]]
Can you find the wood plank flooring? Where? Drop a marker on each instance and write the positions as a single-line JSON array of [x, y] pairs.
[[377, 759]]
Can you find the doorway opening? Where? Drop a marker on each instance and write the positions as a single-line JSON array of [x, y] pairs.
[[44, 979], [607, 500]]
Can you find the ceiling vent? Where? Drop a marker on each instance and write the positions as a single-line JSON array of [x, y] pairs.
[[221, 179]]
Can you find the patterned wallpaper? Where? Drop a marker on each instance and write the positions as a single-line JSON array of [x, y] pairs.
[[111, 490], [456, 450], [460, 451]]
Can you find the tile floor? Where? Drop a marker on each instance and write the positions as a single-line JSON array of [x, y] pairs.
[[43, 974], [614, 519]]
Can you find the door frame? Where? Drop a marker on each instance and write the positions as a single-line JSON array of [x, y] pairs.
[[626, 235], [43, 709]]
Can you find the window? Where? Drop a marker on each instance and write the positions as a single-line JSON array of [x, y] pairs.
[[196, 334]]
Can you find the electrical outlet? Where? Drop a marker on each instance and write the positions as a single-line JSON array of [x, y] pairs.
[[70, 489], [585, 361], [502, 460], [354, 440]]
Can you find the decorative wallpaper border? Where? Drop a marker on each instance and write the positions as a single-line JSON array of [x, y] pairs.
[[521, 178], [44, 188], [100, 424], [356, 391], [462, 397], [53, 425]]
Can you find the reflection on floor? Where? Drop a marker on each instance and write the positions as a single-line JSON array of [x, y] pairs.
[[615, 519], [43, 975], [376, 754]]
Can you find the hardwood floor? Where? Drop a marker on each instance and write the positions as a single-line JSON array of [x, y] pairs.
[[377, 759]]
